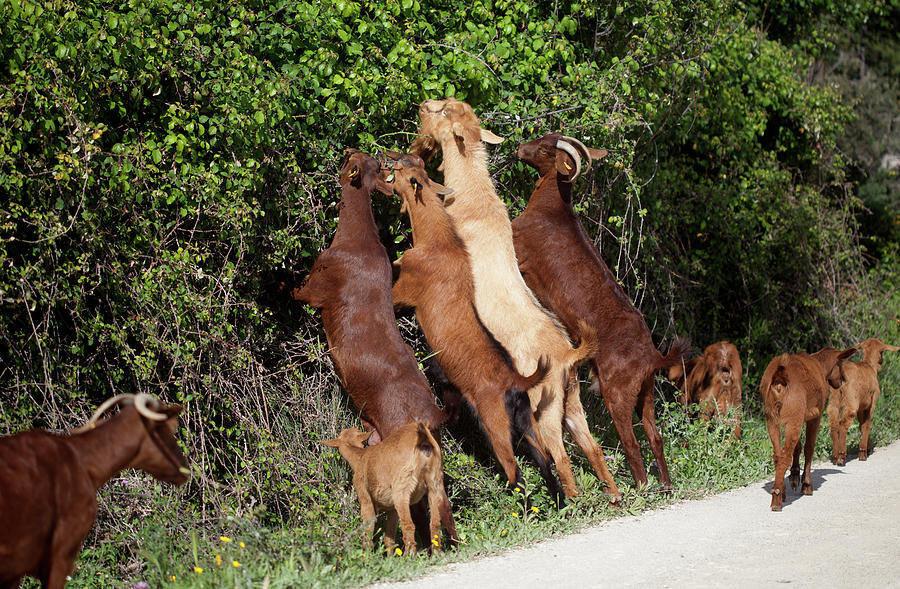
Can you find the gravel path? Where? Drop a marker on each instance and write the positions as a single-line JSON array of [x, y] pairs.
[[845, 535]]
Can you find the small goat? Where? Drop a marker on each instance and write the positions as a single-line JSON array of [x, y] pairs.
[[713, 381], [49, 483], [856, 398], [392, 476], [434, 278], [794, 388], [504, 302], [561, 265], [351, 283]]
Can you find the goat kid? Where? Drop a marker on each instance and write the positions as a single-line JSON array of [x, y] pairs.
[[434, 278], [563, 268], [712, 381], [856, 398], [350, 282], [49, 483], [794, 388], [393, 475], [504, 302]]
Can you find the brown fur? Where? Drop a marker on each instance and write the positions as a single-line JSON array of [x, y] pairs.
[[49, 484], [561, 265], [392, 476], [794, 388], [435, 278], [856, 398], [713, 382], [350, 283], [504, 302]]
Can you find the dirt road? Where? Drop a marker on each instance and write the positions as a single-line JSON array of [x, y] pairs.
[[845, 535]]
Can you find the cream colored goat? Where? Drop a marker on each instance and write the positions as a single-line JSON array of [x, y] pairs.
[[504, 302], [393, 475]]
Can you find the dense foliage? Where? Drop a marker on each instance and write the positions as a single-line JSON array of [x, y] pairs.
[[168, 166]]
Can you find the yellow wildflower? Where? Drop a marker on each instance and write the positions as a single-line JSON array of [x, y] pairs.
[[534, 509], [172, 578], [241, 544], [515, 514], [398, 552], [235, 564], [198, 570], [219, 559], [225, 539]]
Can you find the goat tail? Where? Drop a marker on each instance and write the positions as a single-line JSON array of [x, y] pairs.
[[588, 346], [528, 382], [427, 444], [680, 348]]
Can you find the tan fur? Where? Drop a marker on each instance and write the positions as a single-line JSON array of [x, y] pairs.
[[856, 397], [392, 476], [506, 305], [794, 388], [713, 381]]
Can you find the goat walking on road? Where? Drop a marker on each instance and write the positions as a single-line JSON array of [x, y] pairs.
[[49, 483], [856, 398], [794, 388]]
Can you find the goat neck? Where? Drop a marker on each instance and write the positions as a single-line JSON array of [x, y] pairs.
[[109, 448], [427, 218], [355, 217]]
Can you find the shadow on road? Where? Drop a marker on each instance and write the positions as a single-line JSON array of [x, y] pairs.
[[818, 475]]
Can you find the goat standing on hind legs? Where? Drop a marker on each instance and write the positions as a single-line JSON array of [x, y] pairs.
[[435, 279], [351, 283], [503, 301], [392, 476], [794, 388], [561, 265], [49, 483], [856, 397]]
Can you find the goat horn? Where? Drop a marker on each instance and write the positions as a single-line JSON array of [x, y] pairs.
[[140, 403], [103, 408], [581, 147], [560, 144]]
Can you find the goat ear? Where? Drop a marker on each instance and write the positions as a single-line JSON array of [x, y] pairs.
[[383, 186], [489, 137], [439, 188], [597, 154], [331, 443], [563, 167]]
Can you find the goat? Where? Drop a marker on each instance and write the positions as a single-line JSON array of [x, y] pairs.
[[563, 268], [794, 388], [504, 302], [392, 476], [434, 278], [713, 381], [351, 283], [49, 483], [856, 398]]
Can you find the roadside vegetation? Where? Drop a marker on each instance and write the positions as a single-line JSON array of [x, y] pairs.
[[168, 170]]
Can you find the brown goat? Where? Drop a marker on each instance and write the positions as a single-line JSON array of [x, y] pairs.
[[504, 302], [713, 381], [856, 398], [392, 476], [435, 279], [351, 283], [49, 483], [794, 388], [561, 265]]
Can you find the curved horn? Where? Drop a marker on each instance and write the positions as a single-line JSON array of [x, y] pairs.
[[103, 408], [581, 147], [560, 144], [141, 401]]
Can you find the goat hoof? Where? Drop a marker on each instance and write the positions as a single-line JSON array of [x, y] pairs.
[[863, 455], [807, 489]]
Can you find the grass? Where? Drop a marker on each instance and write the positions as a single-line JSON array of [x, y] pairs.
[[249, 548]]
